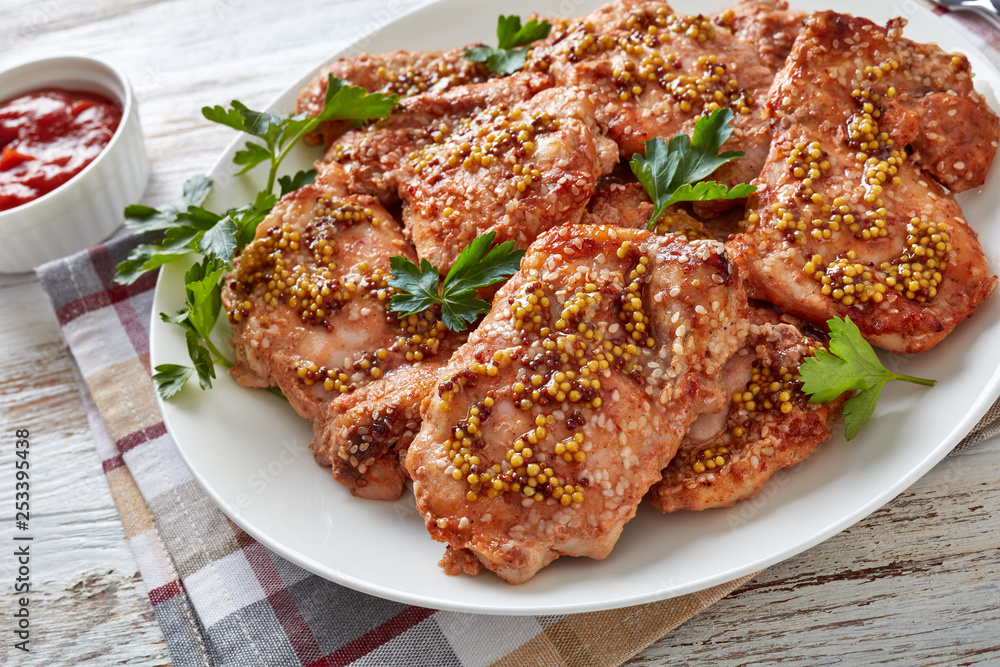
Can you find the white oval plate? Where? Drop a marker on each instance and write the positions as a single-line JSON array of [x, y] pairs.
[[249, 450]]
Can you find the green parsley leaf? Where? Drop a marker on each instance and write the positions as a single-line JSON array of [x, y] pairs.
[[477, 266], [228, 117], [418, 286], [202, 360], [296, 182], [851, 364], [461, 309], [511, 34], [480, 266], [140, 218], [219, 242], [353, 103], [180, 318], [279, 133], [859, 409], [670, 172], [145, 258], [709, 191], [260, 123], [248, 218], [204, 295], [170, 379], [508, 58], [197, 217], [250, 156]]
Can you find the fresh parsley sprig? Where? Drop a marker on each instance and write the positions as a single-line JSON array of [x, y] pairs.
[[670, 171], [851, 364], [279, 133], [508, 58], [185, 227], [477, 266]]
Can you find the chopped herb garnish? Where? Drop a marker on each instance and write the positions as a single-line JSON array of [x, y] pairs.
[[670, 171], [851, 364], [513, 41], [477, 266]]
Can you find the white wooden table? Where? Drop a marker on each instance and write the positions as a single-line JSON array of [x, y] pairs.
[[915, 583]]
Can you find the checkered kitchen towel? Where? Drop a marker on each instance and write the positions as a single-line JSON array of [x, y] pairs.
[[223, 599]]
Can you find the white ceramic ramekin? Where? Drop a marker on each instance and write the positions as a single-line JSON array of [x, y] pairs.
[[87, 208]]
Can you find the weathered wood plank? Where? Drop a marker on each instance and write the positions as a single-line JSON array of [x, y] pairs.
[[916, 582], [87, 598]]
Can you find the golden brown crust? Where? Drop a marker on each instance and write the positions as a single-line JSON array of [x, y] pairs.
[[403, 73], [653, 73], [578, 387], [367, 432], [845, 222], [459, 561], [729, 457]]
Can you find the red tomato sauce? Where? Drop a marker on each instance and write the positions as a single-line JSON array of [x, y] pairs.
[[47, 137]]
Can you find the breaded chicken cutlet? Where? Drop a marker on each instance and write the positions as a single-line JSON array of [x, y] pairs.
[[308, 300], [512, 156], [552, 422], [769, 424], [851, 216]]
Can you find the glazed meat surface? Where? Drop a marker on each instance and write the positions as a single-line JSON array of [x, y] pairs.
[[307, 302], [846, 221], [367, 432], [769, 424], [766, 24], [556, 417], [374, 156], [484, 158], [404, 73], [653, 73]]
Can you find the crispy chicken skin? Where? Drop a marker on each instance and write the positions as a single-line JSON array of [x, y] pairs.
[[367, 432], [844, 221], [766, 24], [404, 73], [550, 425], [653, 73], [769, 424], [307, 302], [372, 156], [514, 168], [621, 204]]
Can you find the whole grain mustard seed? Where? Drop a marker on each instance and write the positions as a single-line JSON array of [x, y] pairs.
[[562, 373], [297, 269], [917, 273]]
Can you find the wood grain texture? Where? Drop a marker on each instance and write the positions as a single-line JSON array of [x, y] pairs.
[[87, 600], [915, 583]]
